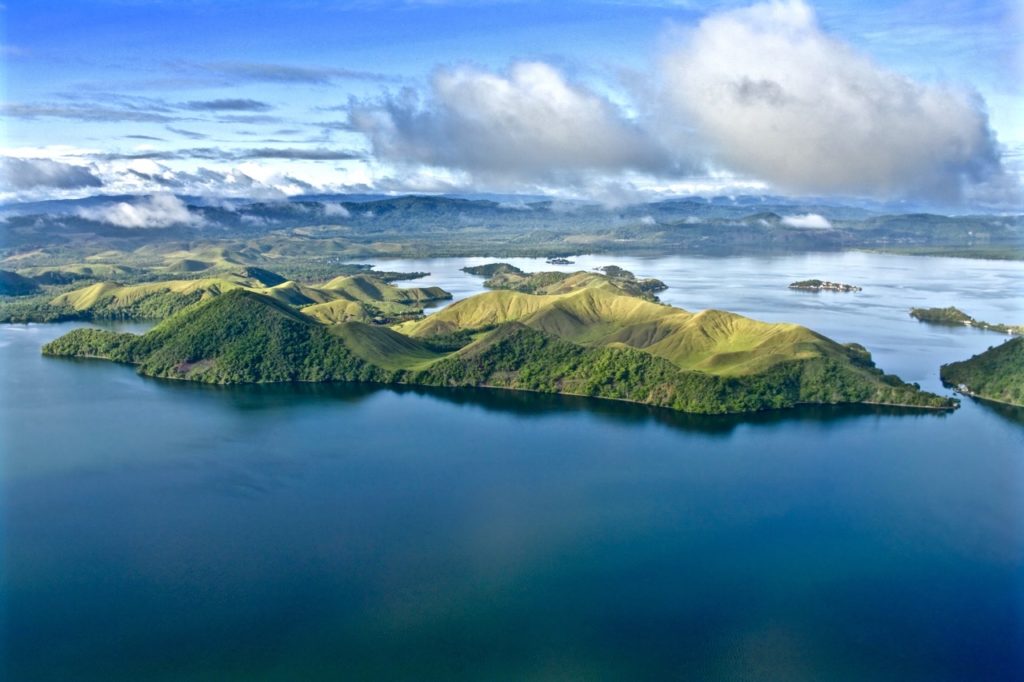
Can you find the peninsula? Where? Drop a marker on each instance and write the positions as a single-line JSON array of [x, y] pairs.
[[955, 317], [997, 374], [584, 334]]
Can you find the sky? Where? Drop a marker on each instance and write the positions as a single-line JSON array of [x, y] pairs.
[[607, 100]]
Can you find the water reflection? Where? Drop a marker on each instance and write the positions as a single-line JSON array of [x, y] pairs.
[[298, 396]]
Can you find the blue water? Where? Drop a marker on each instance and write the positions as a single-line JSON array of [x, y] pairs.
[[158, 530]]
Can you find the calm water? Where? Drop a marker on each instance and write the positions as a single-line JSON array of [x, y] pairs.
[[156, 530]]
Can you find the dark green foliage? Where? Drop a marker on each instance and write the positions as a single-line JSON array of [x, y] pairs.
[[492, 269], [13, 284], [95, 343], [35, 309], [955, 317], [996, 374]]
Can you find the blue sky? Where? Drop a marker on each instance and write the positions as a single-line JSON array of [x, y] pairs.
[[237, 97]]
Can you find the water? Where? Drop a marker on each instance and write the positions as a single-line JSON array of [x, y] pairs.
[[159, 530]]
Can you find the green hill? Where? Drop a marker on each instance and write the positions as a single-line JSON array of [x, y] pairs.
[[589, 342], [375, 298], [996, 374], [13, 284]]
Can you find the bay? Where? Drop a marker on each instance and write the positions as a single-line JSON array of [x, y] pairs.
[[161, 530]]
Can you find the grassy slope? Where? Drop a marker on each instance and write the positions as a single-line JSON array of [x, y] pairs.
[[996, 374], [243, 336], [161, 298], [713, 341]]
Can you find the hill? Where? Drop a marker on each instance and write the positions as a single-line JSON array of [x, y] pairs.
[[954, 317], [13, 284], [592, 342], [997, 374], [360, 297]]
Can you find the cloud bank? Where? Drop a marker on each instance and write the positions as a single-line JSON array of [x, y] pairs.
[[762, 93], [28, 174], [771, 95], [528, 123]]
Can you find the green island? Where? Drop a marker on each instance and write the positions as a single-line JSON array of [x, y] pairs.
[[955, 317], [997, 374], [585, 333], [506, 276], [823, 285]]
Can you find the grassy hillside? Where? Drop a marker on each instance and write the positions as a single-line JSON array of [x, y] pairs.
[[360, 297], [996, 374], [553, 343]]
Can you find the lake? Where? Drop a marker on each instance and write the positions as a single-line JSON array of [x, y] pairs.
[[161, 530]]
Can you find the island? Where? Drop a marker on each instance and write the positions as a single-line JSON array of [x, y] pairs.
[[506, 276], [997, 374], [559, 261], [587, 334], [823, 285], [955, 317]]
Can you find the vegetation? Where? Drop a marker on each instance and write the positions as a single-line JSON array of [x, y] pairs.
[[997, 374], [504, 276], [492, 269], [13, 284], [822, 285], [595, 341], [362, 296], [955, 317]]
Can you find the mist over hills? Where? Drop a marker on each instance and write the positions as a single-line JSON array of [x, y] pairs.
[[456, 225]]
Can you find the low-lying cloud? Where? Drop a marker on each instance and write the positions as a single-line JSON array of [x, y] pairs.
[[807, 220], [159, 210]]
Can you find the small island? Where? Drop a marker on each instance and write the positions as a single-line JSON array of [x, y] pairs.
[[823, 285], [954, 317], [997, 374], [559, 261], [584, 333]]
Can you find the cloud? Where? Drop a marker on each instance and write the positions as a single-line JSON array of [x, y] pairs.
[[808, 220], [530, 122], [333, 210], [27, 174], [281, 73], [159, 210], [83, 112], [190, 134], [771, 95], [218, 154], [227, 105]]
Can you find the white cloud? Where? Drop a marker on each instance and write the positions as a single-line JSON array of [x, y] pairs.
[[809, 220], [771, 95], [159, 210], [335, 210], [648, 220], [530, 122]]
